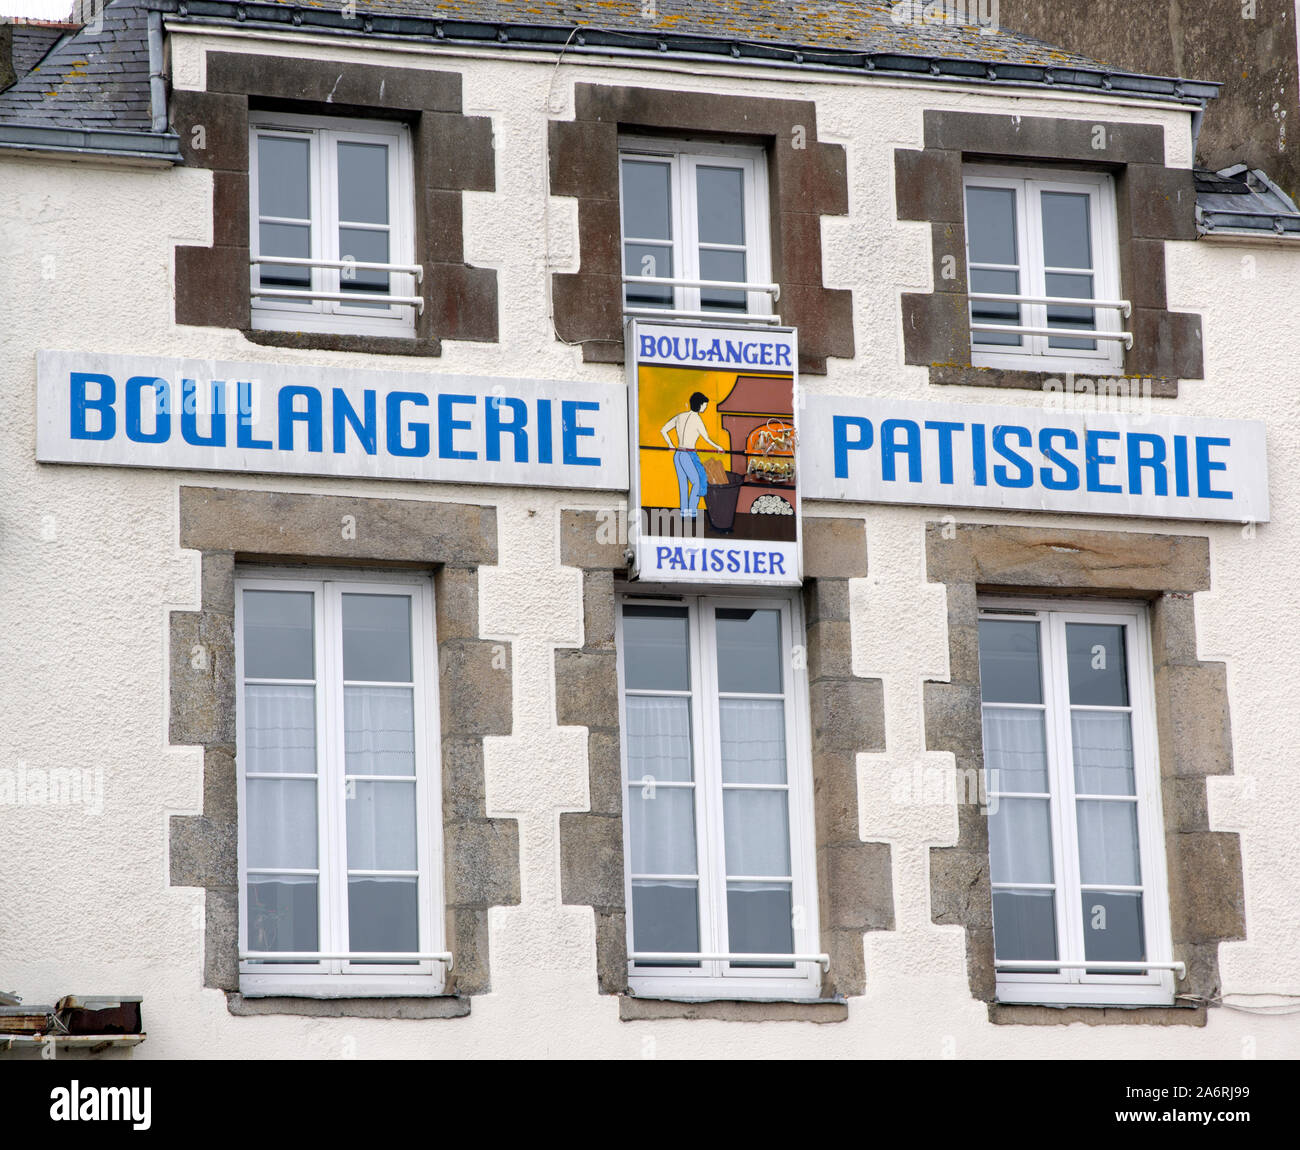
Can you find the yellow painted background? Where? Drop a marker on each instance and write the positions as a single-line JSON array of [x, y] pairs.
[[664, 392]]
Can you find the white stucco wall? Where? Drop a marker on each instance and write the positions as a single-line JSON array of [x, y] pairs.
[[90, 569]]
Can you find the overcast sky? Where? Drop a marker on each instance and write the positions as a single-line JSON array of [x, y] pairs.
[[37, 9]]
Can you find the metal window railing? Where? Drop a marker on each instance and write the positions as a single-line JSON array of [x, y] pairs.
[[773, 290], [344, 956], [1123, 306], [415, 270], [672, 957], [1179, 968]]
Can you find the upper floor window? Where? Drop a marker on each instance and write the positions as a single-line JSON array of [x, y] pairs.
[[1035, 243], [718, 802], [1080, 909], [696, 216], [339, 830], [331, 230]]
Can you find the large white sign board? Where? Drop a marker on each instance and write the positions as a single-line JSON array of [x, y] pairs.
[[137, 411], [961, 455]]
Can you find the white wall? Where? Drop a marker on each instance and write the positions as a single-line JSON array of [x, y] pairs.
[[90, 569]]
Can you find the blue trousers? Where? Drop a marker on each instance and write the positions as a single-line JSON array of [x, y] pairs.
[[692, 481]]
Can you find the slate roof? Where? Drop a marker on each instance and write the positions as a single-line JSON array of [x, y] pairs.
[[1235, 201], [90, 79], [32, 39]]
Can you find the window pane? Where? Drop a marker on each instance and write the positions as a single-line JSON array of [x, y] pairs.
[[648, 260], [749, 651], [665, 917], [647, 211], [1108, 843], [721, 205], [662, 829], [1015, 750], [278, 635], [282, 913], [1024, 924], [656, 648], [1098, 663], [363, 183], [284, 177], [757, 832], [383, 914], [991, 225], [1067, 230], [995, 311], [726, 266], [1103, 752], [367, 247], [377, 638], [1112, 928], [1073, 318], [381, 826], [379, 730], [759, 918], [658, 740], [293, 240], [1009, 662], [753, 740], [282, 825], [280, 729], [1020, 841]]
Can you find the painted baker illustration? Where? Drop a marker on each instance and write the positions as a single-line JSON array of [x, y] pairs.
[[692, 481]]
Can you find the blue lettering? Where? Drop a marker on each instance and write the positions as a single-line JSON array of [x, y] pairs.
[[776, 562], [365, 427], [978, 458], [661, 555], [1024, 472], [289, 415], [244, 419], [945, 431], [1094, 460], [647, 346], [1155, 462], [517, 427], [1070, 471], [1204, 466], [1182, 488], [889, 448], [571, 430], [783, 358], [393, 418], [80, 403], [448, 425], [545, 436], [159, 389], [760, 563], [733, 561], [189, 424], [840, 425]]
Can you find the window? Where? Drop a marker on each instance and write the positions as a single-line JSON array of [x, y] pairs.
[[1032, 244], [1075, 842], [696, 216], [331, 232], [718, 827], [340, 863]]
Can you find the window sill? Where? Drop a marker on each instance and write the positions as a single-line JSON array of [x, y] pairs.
[[1061, 1014], [435, 1006], [1137, 387], [820, 1010], [329, 341]]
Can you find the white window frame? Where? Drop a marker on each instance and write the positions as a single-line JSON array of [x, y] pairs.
[[324, 315], [1076, 986], [715, 979], [334, 978], [683, 158], [1034, 354]]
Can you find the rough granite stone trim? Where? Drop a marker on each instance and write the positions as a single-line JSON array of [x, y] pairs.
[[1206, 885], [634, 1009], [807, 179], [480, 854], [452, 153], [446, 1006], [854, 878], [1153, 204]]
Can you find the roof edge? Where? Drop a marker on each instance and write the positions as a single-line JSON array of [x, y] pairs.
[[594, 40], [108, 143]]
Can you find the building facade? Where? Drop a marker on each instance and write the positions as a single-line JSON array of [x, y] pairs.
[[337, 723]]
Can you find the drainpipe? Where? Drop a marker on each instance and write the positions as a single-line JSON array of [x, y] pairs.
[[157, 82]]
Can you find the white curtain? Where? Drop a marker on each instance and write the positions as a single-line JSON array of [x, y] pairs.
[[756, 826], [281, 823], [1020, 841], [658, 739], [1108, 842], [381, 825], [379, 730], [1015, 751], [280, 729], [1103, 752], [753, 740], [662, 817]]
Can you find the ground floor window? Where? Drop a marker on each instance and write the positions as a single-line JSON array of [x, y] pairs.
[[339, 842], [718, 805], [1080, 909]]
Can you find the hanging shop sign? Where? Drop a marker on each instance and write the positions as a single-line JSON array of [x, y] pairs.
[[133, 411], [958, 455], [714, 454]]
